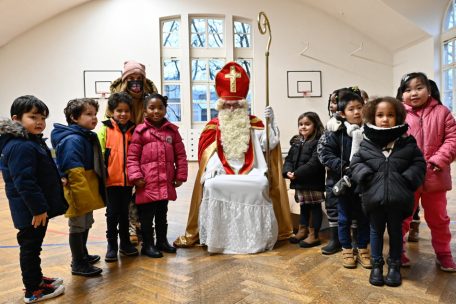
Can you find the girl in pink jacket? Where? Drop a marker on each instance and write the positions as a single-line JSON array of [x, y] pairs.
[[156, 165], [434, 129]]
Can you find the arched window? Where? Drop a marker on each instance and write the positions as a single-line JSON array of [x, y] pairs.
[[449, 57]]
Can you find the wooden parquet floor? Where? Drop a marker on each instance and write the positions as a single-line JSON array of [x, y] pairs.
[[286, 274]]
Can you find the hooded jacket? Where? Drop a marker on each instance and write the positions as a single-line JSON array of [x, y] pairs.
[[434, 128], [32, 181], [79, 159], [157, 155]]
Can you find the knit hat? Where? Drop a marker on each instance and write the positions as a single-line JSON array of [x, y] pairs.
[[131, 67]]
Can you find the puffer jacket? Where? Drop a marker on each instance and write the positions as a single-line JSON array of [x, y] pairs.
[[157, 155], [302, 159], [434, 129], [79, 158], [388, 181], [32, 181]]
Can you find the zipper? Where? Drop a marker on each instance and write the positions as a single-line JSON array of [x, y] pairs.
[[386, 181], [124, 159]]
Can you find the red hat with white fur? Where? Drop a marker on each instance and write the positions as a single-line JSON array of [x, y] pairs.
[[232, 82]]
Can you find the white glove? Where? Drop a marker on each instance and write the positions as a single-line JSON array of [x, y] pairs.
[[269, 113]]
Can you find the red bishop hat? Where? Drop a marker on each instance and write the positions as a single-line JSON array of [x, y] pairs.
[[232, 82]]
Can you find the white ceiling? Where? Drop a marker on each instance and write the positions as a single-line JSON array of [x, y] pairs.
[[392, 24]]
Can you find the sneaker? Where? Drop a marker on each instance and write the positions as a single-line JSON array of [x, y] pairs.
[[446, 263], [44, 292], [348, 259], [363, 258], [85, 269], [405, 261], [56, 282]]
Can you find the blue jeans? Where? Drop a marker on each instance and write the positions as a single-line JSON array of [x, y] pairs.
[[379, 218], [349, 208]]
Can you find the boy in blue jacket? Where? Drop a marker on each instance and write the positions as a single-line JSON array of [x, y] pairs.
[[33, 189]]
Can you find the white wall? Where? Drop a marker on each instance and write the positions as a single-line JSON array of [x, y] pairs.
[[49, 60], [416, 58]]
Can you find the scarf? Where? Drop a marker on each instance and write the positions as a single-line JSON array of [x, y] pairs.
[[356, 133], [383, 136]]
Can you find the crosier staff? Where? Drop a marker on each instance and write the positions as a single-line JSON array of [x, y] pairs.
[[264, 27]]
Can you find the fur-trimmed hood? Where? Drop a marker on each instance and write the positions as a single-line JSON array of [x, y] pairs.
[[11, 129]]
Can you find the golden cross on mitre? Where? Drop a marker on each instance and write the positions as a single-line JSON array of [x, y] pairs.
[[232, 76]]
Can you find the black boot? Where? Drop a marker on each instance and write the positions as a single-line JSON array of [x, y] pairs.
[[126, 247], [148, 247], [393, 278], [334, 244], [92, 259], [111, 253], [376, 275], [80, 265], [162, 241]]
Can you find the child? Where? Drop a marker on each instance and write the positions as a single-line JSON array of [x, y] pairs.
[[434, 128], [80, 162], [115, 136], [33, 189], [307, 176], [388, 168], [335, 150], [334, 124], [156, 165]]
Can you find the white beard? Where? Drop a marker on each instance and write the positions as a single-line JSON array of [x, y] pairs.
[[235, 132]]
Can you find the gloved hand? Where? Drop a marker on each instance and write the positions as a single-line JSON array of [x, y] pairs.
[[341, 186], [269, 113]]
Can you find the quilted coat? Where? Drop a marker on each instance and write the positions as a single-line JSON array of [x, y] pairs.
[[434, 129], [157, 155]]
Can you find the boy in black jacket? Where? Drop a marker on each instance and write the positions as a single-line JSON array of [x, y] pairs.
[[388, 168], [33, 188]]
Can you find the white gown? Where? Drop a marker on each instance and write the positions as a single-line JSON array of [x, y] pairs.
[[236, 215]]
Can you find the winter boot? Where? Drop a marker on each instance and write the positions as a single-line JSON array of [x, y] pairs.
[[111, 252], [148, 247], [414, 233], [348, 258], [162, 241], [334, 245], [80, 265], [126, 247], [302, 233], [363, 258], [376, 275], [311, 240], [393, 278], [92, 259]]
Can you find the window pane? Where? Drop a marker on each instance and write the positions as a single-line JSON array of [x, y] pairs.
[[199, 112], [170, 32], [450, 17], [213, 94], [199, 93], [174, 100], [171, 69], [215, 32], [198, 25], [199, 69], [448, 101], [241, 35], [198, 40], [448, 52], [448, 80], [173, 112], [246, 64], [215, 65]]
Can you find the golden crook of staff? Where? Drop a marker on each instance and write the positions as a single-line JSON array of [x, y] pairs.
[[264, 27]]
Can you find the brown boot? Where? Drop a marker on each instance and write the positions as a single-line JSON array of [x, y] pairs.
[[363, 257], [348, 258], [311, 240], [414, 233], [302, 233]]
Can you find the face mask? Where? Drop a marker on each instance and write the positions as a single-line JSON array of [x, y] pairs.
[[135, 86]]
